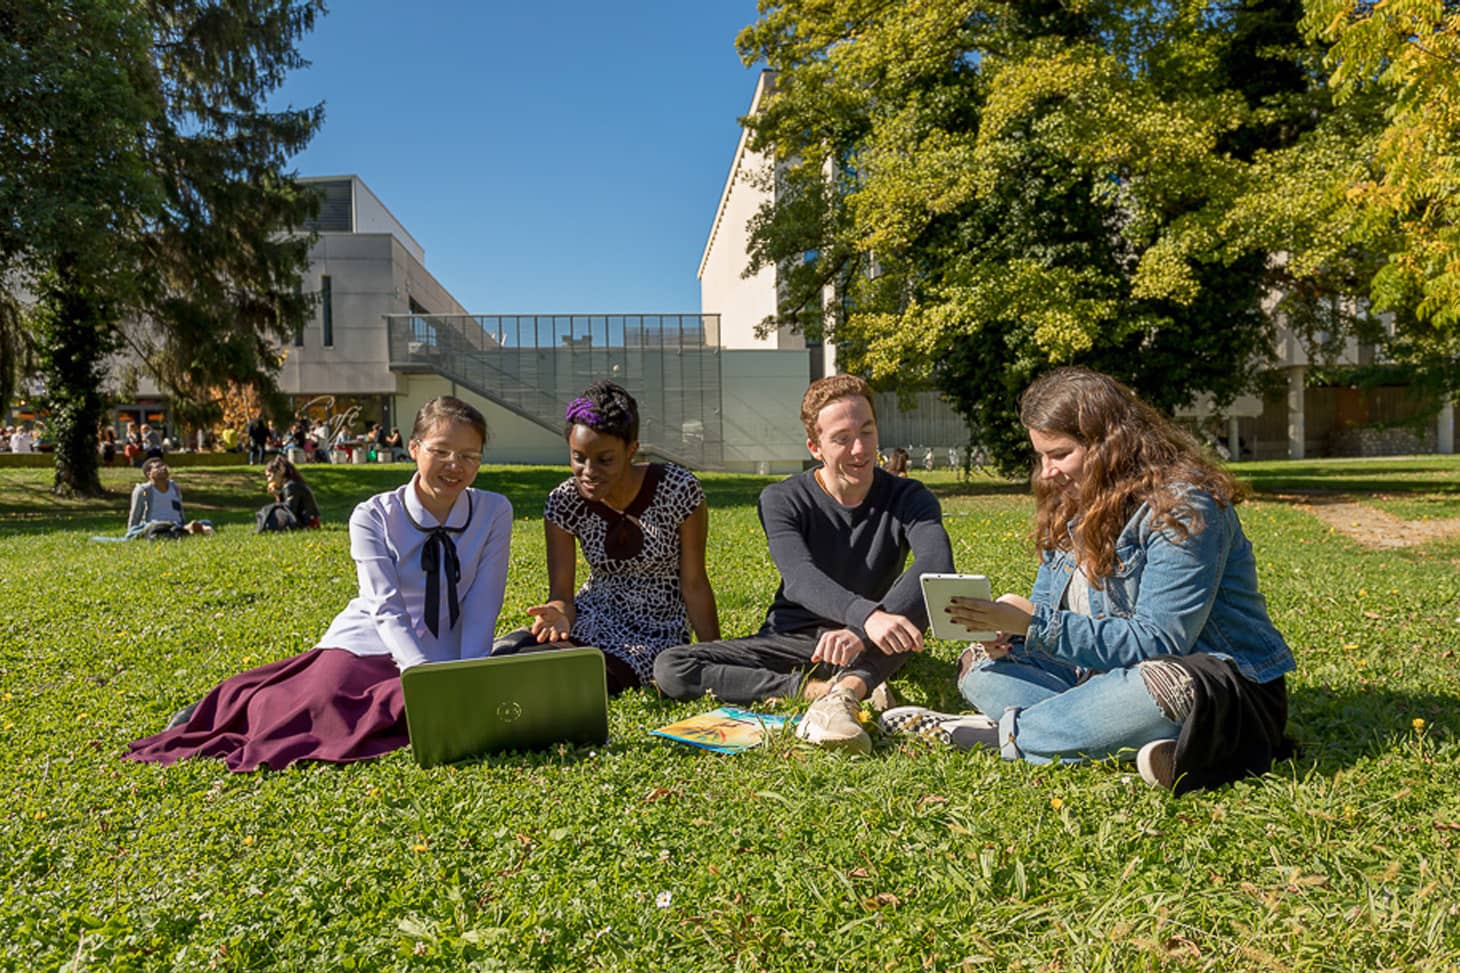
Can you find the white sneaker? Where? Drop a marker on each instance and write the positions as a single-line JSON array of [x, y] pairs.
[[1157, 763], [832, 722], [971, 731]]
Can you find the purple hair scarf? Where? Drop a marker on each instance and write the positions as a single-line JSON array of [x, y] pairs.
[[581, 412]]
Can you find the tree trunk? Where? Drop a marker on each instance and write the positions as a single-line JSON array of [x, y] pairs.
[[75, 340]]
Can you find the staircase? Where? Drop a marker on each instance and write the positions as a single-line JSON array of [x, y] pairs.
[[534, 365]]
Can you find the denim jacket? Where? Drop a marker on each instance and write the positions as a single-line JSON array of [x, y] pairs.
[[1164, 597]]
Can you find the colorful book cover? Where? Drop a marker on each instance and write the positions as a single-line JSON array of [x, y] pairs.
[[728, 729]]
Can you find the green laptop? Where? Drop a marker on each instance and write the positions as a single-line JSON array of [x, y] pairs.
[[456, 710]]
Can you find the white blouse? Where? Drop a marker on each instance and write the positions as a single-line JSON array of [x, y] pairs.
[[388, 616]]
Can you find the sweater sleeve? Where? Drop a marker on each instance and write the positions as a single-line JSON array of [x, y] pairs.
[[139, 504]]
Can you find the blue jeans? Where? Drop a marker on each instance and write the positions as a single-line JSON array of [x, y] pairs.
[[1046, 714]]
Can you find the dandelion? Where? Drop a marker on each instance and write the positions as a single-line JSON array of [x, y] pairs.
[[248, 841], [663, 899], [1056, 803], [420, 846], [1418, 723]]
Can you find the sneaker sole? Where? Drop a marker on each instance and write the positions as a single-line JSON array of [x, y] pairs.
[[858, 744]]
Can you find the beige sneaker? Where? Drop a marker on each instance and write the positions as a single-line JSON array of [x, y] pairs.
[[1157, 763], [832, 722]]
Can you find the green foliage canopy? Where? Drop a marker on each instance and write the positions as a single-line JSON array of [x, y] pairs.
[[992, 189]]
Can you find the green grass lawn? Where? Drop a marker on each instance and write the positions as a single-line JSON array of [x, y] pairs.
[[646, 855]]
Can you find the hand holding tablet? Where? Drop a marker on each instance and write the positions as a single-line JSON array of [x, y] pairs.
[[939, 590]]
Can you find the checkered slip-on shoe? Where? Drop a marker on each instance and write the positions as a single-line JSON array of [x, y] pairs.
[[963, 732]]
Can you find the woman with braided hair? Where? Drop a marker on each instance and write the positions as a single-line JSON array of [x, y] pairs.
[[431, 558], [642, 528]]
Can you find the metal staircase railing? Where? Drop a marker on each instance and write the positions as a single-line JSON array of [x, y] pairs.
[[534, 365]]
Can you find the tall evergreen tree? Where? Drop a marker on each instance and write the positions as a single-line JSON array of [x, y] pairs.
[[147, 201]]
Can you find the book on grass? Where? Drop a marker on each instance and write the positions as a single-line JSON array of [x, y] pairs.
[[728, 729]]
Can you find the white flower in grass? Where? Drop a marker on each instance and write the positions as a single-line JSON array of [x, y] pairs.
[[663, 899]]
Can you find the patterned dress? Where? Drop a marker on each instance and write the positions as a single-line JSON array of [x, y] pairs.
[[631, 608]]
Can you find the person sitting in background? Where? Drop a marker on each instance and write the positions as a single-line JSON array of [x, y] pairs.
[[21, 441], [151, 441], [1145, 635], [157, 510], [106, 445], [393, 443], [294, 507], [897, 462], [642, 527]]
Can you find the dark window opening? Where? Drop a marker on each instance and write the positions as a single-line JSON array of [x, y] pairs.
[[327, 311]]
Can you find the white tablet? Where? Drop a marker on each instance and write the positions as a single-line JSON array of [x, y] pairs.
[[939, 590]]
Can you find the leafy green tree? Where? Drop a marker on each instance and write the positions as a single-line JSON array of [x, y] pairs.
[[991, 189], [1403, 196], [146, 203]]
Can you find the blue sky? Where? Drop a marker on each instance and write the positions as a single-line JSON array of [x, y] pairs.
[[551, 157]]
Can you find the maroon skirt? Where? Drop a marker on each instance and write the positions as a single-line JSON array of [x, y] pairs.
[[327, 704]]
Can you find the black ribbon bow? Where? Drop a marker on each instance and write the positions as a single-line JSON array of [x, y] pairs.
[[438, 554]]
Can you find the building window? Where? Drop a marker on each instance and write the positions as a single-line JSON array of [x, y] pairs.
[[327, 311], [298, 324]]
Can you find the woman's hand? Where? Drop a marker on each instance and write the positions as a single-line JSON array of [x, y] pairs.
[[1010, 615], [552, 622]]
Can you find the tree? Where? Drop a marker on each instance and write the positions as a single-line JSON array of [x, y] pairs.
[[1403, 198], [992, 189], [147, 202]]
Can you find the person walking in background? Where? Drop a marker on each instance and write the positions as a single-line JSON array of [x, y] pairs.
[[431, 557], [1145, 635], [258, 433], [642, 528]]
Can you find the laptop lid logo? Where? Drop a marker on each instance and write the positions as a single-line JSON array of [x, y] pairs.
[[509, 712]]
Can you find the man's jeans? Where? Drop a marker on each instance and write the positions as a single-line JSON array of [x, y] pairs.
[[1046, 713]]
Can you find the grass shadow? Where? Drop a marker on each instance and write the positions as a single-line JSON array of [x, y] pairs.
[[1336, 727]]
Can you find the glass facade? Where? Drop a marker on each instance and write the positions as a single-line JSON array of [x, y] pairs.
[[536, 364]]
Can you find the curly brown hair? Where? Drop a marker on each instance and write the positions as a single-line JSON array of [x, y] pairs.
[[829, 389], [1133, 455]]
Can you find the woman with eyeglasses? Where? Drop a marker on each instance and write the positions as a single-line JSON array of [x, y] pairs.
[[431, 558], [642, 528]]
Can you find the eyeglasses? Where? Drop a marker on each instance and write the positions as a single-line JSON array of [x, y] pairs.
[[442, 455]]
